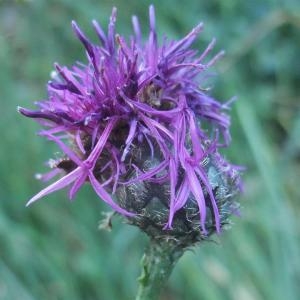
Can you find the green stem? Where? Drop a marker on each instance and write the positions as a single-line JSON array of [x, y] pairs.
[[157, 264]]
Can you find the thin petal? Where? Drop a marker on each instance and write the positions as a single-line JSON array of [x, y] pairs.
[[100, 33], [87, 44], [101, 142], [197, 149], [73, 86], [111, 31], [65, 149], [77, 185], [173, 182], [149, 174], [186, 41], [168, 114], [39, 114], [207, 50], [137, 29], [130, 137], [205, 180], [49, 175], [79, 142], [182, 195], [197, 191], [59, 184], [101, 192]]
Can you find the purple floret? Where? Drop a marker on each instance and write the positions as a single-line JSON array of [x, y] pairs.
[[132, 94]]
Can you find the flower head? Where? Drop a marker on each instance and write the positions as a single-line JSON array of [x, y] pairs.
[[134, 123]]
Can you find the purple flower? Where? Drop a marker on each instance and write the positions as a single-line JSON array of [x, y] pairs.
[[132, 99]]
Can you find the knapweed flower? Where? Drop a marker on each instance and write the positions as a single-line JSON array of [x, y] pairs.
[[135, 124]]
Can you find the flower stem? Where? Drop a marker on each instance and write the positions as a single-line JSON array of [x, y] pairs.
[[157, 264]]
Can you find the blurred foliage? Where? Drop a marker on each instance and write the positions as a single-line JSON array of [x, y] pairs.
[[54, 251]]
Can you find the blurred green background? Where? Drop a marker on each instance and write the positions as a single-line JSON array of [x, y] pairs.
[[53, 250]]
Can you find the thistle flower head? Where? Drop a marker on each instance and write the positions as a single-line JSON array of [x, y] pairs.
[[134, 123]]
